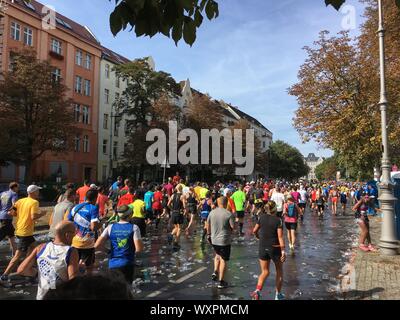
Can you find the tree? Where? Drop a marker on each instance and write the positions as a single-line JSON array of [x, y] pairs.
[[35, 115], [286, 162], [338, 91], [327, 170]]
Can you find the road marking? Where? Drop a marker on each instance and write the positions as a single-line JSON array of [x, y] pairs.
[[180, 280]]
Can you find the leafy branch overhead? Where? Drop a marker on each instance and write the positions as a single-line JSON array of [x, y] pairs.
[[338, 3], [172, 18]]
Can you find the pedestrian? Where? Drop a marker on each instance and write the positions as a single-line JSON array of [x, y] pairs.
[[81, 192], [239, 198], [26, 211], [291, 213], [7, 201], [361, 216], [61, 211], [125, 241], [220, 224], [56, 261], [177, 203], [269, 231], [86, 219]]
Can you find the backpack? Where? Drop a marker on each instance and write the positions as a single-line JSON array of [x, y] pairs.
[[292, 211]]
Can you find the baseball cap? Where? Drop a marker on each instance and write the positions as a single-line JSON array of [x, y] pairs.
[[124, 211], [33, 188], [93, 186]]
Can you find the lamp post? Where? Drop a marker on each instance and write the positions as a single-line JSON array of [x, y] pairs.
[[388, 242]]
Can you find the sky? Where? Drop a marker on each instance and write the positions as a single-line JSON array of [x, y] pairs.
[[249, 56]]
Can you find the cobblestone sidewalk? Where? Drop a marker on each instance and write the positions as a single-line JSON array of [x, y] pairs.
[[370, 276]]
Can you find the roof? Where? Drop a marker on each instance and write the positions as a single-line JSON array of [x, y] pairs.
[[311, 157], [63, 22], [113, 57]]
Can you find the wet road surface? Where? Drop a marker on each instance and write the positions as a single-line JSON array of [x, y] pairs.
[[323, 248]]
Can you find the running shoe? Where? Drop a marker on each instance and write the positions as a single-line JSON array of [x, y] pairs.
[[4, 277], [256, 295], [364, 248], [372, 248], [222, 284], [279, 296], [214, 276], [170, 237]]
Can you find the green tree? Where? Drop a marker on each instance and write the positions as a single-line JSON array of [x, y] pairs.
[[327, 170], [286, 162], [35, 115]]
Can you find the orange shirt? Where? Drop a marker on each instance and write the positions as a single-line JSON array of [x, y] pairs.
[[101, 202], [81, 192]]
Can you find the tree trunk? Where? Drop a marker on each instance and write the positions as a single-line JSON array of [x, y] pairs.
[[28, 172]]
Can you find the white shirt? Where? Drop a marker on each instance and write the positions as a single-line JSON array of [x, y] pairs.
[[303, 196], [279, 199]]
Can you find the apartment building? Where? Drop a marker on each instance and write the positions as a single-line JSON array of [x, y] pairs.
[[75, 54]]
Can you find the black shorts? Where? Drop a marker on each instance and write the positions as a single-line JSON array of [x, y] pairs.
[[343, 201], [87, 256], [157, 213], [192, 208], [321, 207], [6, 229], [23, 243], [177, 218], [240, 214], [269, 253], [291, 226], [223, 251], [141, 223], [302, 205], [126, 271], [279, 214]]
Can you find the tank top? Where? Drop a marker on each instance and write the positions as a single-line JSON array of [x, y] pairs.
[[52, 263], [176, 202], [122, 245], [205, 209]]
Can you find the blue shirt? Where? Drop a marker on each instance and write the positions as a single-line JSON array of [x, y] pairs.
[[7, 200], [114, 186], [82, 216], [148, 199], [122, 236]]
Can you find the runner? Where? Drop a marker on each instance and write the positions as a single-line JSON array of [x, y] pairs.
[[269, 230], [148, 200], [62, 197], [320, 202], [102, 202], [61, 211], [220, 224], [177, 204], [86, 219], [343, 198], [192, 206], [279, 199], [56, 261], [125, 240], [157, 205], [291, 213], [81, 192], [258, 195], [206, 206], [169, 188], [176, 179], [302, 202], [139, 212], [116, 185], [7, 201], [334, 197], [26, 211], [239, 198]]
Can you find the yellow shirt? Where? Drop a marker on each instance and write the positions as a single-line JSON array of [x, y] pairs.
[[203, 193], [138, 208], [197, 191], [24, 224]]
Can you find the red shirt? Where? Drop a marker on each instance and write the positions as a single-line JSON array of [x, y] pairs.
[[157, 198], [101, 201], [169, 188], [81, 192], [126, 199]]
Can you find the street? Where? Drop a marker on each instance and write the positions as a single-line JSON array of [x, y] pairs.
[[323, 248]]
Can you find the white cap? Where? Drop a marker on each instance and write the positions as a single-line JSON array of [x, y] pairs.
[[93, 186], [252, 182], [33, 188]]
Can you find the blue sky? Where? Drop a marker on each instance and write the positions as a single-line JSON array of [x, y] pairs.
[[249, 56]]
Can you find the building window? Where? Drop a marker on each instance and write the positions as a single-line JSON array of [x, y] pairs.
[[107, 71], [15, 31], [28, 36], [56, 46], [77, 112], [115, 150], [79, 57], [105, 121], [116, 128], [105, 145], [87, 87], [117, 81], [263, 144], [107, 96], [85, 144], [77, 141], [88, 61], [85, 114], [56, 75], [78, 84]]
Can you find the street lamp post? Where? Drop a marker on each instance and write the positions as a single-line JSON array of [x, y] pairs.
[[388, 242]]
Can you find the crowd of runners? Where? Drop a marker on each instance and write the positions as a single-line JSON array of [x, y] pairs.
[[115, 219]]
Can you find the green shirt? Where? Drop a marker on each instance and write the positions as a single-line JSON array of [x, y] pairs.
[[239, 198]]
